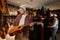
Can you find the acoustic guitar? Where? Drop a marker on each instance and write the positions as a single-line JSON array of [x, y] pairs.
[[50, 27], [15, 29]]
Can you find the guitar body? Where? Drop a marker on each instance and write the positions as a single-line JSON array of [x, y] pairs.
[[50, 27], [17, 29], [14, 30]]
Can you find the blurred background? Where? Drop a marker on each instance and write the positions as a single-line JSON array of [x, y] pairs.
[[9, 8]]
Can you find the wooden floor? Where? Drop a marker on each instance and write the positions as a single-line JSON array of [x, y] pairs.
[[58, 36]]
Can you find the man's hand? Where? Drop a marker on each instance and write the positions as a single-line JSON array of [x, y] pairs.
[[50, 27], [31, 24]]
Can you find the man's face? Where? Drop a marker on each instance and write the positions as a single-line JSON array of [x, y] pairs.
[[21, 10]]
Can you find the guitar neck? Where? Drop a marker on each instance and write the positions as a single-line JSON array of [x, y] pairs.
[[27, 24]]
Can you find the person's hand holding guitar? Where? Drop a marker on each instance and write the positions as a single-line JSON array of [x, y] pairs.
[[31, 26]]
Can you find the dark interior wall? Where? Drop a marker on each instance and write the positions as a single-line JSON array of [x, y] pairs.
[[59, 19]]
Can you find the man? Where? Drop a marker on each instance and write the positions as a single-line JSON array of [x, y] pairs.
[[22, 19], [55, 27]]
